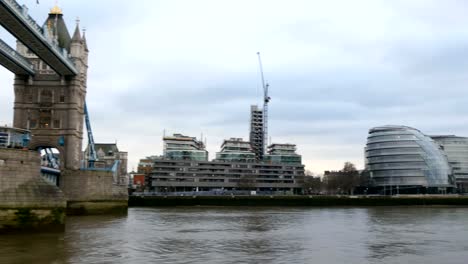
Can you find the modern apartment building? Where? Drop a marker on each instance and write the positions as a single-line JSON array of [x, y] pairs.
[[234, 168], [456, 149], [173, 175], [236, 150], [180, 147], [282, 153], [402, 159]]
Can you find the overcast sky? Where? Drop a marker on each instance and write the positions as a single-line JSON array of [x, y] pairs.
[[336, 69]]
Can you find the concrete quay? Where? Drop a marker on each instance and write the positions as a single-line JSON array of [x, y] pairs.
[[297, 200]]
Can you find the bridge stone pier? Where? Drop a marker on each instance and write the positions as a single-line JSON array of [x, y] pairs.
[[26, 200], [50, 86]]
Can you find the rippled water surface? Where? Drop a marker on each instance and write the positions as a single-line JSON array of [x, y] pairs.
[[252, 235]]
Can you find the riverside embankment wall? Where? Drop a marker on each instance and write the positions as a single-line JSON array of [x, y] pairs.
[[296, 201], [93, 192]]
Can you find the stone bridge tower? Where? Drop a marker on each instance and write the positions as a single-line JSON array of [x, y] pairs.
[[50, 105]]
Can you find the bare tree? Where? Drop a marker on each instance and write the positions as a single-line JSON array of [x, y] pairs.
[[349, 178], [343, 181], [331, 182], [349, 167], [311, 184]]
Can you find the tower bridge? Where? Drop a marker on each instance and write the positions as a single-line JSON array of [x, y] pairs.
[[50, 68], [50, 79]]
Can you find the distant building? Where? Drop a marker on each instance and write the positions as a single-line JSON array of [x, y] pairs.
[[139, 180], [402, 159], [282, 153], [256, 132], [180, 147], [145, 165], [109, 157], [236, 150], [456, 149]]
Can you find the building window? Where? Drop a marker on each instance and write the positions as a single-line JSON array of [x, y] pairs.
[[56, 123], [44, 119], [46, 96], [44, 122], [33, 123], [62, 98], [28, 95]]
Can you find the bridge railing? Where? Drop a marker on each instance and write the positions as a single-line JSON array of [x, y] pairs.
[[22, 12], [6, 49]]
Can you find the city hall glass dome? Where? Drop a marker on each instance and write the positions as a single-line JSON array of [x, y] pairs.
[[403, 156]]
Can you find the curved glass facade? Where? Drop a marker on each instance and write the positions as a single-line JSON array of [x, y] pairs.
[[456, 149], [403, 156]]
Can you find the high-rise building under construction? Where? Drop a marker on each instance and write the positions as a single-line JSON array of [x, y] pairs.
[[256, 132]]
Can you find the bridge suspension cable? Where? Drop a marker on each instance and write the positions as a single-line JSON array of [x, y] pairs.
[[92, 156]]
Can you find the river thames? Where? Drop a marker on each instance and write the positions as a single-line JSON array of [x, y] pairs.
[[252, 235]]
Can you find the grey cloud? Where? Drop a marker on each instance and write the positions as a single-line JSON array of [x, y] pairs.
[[333, 73]]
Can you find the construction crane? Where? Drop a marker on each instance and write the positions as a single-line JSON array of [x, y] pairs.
[[266, 100], [92, 156]]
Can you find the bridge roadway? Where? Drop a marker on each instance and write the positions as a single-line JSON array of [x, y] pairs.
[[51, 175], [13, 61], [15, 19]]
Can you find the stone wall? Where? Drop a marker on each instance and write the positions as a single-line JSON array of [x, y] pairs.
[[26, 199], [92, 192], [84, 185]]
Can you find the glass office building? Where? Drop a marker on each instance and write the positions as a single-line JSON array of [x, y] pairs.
[[401, 159], [456, 149]]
